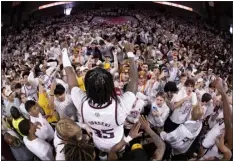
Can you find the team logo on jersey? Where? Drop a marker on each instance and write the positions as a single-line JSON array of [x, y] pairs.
[[97, 114]]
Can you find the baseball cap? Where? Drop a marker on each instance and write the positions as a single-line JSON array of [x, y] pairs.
[[107, 65], [137, 154], [170, 86]]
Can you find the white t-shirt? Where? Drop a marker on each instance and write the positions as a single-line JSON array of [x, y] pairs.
[[63, 107], [40, 148], [23, 111], [210, 137], [46, 131], [99, 119], [158, 121], [182, 138], [30, 91], [58, 144], [181, 114]]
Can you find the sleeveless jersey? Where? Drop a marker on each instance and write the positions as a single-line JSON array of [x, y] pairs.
[[103, 121]]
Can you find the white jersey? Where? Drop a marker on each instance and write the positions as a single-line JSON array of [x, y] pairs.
[[103, 121], [106, 121]]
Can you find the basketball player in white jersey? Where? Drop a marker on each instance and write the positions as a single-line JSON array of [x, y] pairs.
[[100, 107]]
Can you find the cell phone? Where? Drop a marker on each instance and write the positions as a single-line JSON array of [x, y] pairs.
[[155, 108]]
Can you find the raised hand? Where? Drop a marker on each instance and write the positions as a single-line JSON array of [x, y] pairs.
[[134, 132], [144, 123]]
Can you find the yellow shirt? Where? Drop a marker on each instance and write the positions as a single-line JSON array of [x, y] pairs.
[[81, 84], [15, 124], [43, 101]]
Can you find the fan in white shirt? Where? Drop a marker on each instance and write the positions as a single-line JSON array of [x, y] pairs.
[[63, 102], [45, 131], [207, 105], [182, 138], [22, 105], [29, 89], [37, 146], [183, 101], [200, 88], [159, 111], [182, 80]]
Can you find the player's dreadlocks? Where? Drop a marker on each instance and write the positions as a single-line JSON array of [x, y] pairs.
[[99, 86], [79, 151], [76, 147]]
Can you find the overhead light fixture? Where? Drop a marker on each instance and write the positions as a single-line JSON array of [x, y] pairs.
[[231, 29], [67, 11]]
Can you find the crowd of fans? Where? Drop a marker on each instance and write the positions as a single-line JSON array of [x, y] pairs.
[[73, 89]]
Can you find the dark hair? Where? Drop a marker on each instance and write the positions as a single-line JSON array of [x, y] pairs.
[[170, 87], [15, 112], [29, 104], [99, 86], [211, 85], [189, 82], [3, 89], [145, 64], [78, 150], [206, 97], [101, 42], [161, 94], [59, 90], [18, 86], [24, 127], [183, 75], [25, 74]]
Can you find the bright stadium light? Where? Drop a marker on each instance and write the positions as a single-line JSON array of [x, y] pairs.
[[67, 11], [231, 29]]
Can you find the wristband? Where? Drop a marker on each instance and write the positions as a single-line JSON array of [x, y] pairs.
[[65, 58], [127, 139], [130, 55]]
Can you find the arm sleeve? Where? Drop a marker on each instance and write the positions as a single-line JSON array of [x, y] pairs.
[[126, 103], [77, 96]]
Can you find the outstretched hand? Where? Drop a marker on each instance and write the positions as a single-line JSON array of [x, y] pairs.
[[218, 83], [144, 123], [134, 132]]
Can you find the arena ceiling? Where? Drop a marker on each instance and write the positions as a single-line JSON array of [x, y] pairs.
[[8, 8]]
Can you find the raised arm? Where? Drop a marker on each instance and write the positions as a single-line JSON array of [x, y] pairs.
[[227, 113], [115, 68], [51, 94], [71, 76], [133, 84], [222, 148], [159, 152], [134, 133]]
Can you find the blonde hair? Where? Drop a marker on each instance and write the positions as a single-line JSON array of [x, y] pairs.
[[67, 128], [196, 112]]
